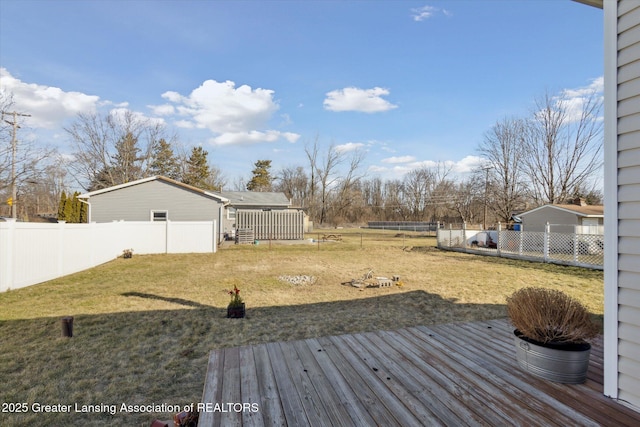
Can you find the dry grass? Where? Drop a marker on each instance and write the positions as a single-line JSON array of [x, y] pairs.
[[550, 316], [144, 326]]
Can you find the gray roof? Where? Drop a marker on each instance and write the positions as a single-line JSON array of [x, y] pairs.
[[154, 178], [256, 198]]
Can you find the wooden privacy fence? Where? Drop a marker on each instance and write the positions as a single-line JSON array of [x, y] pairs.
[[272, 225], [32, 253]]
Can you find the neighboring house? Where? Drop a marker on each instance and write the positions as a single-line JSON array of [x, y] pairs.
[[622, 199], [580, 219], [155, 198]]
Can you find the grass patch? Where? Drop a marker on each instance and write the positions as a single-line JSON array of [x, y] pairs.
[[143, 327]]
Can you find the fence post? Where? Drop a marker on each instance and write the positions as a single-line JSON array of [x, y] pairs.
[[576, 243], [521, 239], [7, 236], [61, 254], [545, 246], [464, 235], [167, 230], [498, 238]]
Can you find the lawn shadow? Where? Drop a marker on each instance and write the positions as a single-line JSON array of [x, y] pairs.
[[180, 301], [161, 355]]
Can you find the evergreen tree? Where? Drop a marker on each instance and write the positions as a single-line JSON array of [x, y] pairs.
[[75, 209], [63, 200], [164, 161], [68, 210], [198, 171], [83, 212], [127, 161], [261, 179]]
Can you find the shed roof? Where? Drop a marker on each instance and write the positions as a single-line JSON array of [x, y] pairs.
[[256, 198], [583, 211], [155, 178]]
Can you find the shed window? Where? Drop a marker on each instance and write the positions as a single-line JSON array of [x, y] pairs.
[[231, 213], [159, 215]]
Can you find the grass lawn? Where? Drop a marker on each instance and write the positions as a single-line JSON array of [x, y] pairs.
[[143, 327]]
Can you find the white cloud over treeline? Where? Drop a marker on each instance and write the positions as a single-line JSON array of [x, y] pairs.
[[48, 106], [235, 115]]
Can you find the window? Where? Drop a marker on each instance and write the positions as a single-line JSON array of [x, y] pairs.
[[231, 213], [159, 215]]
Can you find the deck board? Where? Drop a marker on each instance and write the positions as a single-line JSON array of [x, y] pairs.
[[451, 374]]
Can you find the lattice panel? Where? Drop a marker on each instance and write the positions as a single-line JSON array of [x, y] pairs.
[[509, 241], [533, 243]]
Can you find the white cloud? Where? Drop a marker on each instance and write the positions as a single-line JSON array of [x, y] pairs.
[[468, 164], [423, 13], [252, 137], [355, 99], [404, 164], [236, 115], [163, 110], [121, 114], [349, 146], [48, 106], [399, 159], [575, 100]]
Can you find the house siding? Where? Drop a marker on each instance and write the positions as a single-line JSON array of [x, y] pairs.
[[628, 191], [136, 202], [536, 221]]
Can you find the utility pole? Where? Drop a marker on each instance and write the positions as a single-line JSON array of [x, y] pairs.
[[486, 185], [14, 146]]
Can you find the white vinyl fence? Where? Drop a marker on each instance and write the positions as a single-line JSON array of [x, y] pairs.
[[32, 253], [584, 250]]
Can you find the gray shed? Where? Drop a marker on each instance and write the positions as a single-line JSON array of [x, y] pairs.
[[153, 199]]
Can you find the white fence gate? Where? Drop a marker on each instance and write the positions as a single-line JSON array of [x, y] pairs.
[[584, 250], [32, 253]]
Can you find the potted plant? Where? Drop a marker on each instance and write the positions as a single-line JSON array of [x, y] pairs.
[[235, 309], [552, 333]]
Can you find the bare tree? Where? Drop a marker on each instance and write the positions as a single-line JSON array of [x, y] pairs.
[[563, 145], [503, 151], [113, 149], [468, 201], [348, 198], [294, 182], [312, 155]]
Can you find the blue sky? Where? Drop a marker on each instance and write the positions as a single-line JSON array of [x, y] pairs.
[[408, 82]]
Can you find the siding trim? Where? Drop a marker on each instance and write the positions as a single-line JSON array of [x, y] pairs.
[[611, 199]]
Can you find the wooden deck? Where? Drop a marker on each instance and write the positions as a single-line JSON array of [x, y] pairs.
[[455, 374]]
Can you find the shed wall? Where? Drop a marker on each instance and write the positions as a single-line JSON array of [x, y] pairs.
[[136, 202]]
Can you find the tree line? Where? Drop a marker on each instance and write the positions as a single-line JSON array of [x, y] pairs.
[[551, 155]]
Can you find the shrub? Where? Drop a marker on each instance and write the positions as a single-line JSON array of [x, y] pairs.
[[550, 316]]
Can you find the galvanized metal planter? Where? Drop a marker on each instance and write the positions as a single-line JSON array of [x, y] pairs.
[[563, 363]]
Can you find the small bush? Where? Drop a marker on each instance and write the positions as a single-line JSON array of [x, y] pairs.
[[550, 316]]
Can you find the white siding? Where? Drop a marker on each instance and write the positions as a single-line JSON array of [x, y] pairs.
[[628, 181]]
